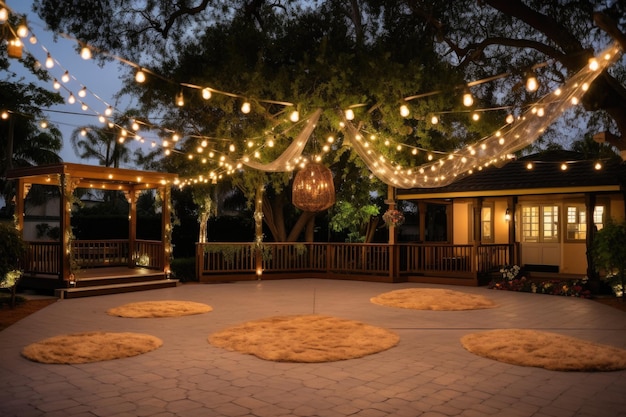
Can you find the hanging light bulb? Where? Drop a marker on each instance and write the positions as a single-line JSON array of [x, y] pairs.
[[245, 107], [180, 100], [598, 166], [65, 77], [82, 92], [4, 115], [509, 118], [294, 116], [84, 107], [468, 100], [531, 82], [404, 110], [85, 53], [4, 15], [56, 85], [349, 113], [231, 148], [32, 39], [434, 120], [475, 116], [22, 29], [71, 99], [44, 124], [135, 126], [49, 61], [206, 93], [563, 166], [108, 111], [140, 76]]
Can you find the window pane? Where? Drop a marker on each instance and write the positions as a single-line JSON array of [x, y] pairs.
[[550, 223], [598, 217], [530, 223]]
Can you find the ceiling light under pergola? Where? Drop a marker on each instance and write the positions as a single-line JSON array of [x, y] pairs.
[[313, 188]]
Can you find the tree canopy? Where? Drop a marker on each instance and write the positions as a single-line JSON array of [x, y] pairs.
[[370, 56]]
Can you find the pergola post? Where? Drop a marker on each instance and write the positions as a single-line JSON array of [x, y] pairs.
[[166, 227], [132, 225]]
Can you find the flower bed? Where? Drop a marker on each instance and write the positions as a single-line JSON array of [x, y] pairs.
[[511, 279]]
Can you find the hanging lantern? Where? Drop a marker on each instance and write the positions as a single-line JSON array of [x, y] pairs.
[[14, 48], [313, 188]]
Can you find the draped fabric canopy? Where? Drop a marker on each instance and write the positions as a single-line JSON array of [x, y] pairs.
[[493, 149]]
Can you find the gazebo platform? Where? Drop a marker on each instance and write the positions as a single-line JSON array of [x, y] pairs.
[[114, 280]]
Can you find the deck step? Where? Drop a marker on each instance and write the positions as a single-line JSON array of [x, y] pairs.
[[77, 292]]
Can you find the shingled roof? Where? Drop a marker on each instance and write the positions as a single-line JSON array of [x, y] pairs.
[[545, 177]]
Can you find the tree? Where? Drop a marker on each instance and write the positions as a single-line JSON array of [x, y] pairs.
[[23, 140], [369, 55], [552, 39], [100, 143]]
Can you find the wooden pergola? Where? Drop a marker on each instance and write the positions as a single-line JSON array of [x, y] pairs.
[[70, 176]]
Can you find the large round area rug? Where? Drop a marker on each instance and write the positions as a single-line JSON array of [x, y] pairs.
[[165, 308], [433, 299], [305, 338], [544, 350], [90, 347]]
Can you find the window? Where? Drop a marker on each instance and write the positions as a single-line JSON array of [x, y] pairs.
[[577, 220], [540, 223], [486, 224]]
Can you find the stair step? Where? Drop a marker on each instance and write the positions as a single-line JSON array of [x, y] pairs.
[[77, 292]]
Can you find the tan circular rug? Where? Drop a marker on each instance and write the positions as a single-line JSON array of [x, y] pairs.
[[545, 350], [433, 299], [305, 338], [166, 308], [90, 347]]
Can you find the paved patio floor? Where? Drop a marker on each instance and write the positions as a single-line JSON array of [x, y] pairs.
[[428, 374]]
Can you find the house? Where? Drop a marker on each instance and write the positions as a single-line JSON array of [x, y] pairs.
[[546, 206]]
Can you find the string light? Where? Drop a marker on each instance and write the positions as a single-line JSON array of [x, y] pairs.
[[404, 111], [434, 120], [245, 107], [140, 76], [349, 113], [4, 14], [180, 100], [206, 93], [531, 82], [49, 61], [71, 99], [85, 53], [65, 77], [82, 92], [468, 100], [22, 29], [294, 116]]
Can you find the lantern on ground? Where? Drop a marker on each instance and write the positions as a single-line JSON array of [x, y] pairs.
[[313, 188]]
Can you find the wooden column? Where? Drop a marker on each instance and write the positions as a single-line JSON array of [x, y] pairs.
[[590, 206], [20, 195], [391, 203], [258, 231], [166, 228], [422, 207], [131, 196], [65, 209]]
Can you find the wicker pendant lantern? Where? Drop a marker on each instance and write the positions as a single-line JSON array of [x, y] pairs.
[[313, 188], [14, 49]]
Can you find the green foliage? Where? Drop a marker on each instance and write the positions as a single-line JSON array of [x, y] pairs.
[[609, 254], [12, 249], [353, 218], [184, 269]]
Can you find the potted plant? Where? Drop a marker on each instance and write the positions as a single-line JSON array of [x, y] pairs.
[[12, 249]]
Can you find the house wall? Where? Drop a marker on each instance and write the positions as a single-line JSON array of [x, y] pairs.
[[500, 225], [461, 225]]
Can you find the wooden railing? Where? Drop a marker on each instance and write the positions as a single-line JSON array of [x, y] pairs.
[[95, 253], [216, 261], [149, 254], [44, 257]]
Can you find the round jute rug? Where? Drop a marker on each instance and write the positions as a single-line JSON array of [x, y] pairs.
[[547, 350], [433, 299], [90, 347], [305, 338], [164, 308]]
